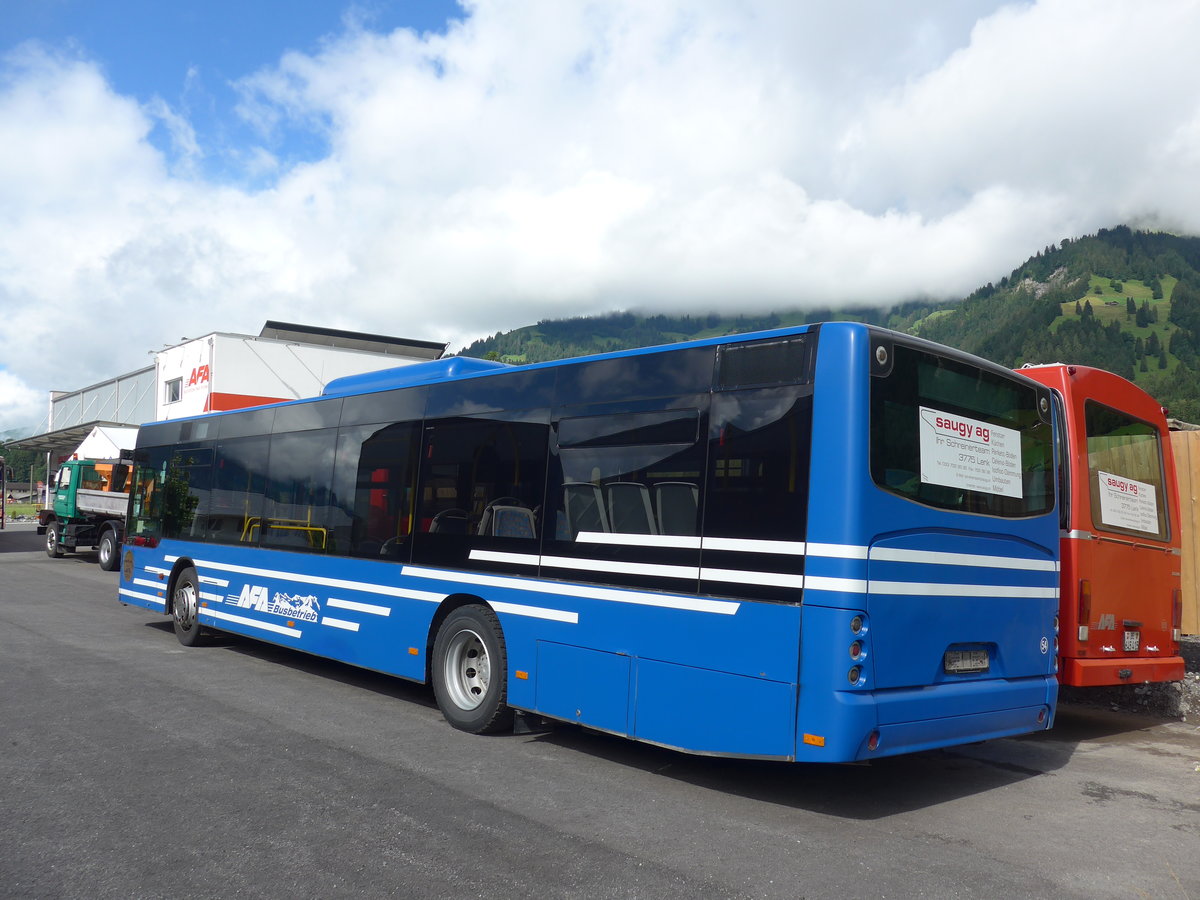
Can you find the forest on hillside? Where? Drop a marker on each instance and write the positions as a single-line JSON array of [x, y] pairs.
[[1123, 300]]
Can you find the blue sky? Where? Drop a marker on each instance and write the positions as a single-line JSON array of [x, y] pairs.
[[443, 172], [192, 55]]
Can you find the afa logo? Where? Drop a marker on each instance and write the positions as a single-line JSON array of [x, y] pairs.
[[289, 606], [200, 375]]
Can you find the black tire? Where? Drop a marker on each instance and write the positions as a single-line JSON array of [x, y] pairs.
[[185, 605], [53, 550], [470, 671], [109, 551]]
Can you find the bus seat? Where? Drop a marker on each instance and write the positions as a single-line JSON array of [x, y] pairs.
[[449, 521], [677, 503], [585, 507], [513, 522], [629, 508]]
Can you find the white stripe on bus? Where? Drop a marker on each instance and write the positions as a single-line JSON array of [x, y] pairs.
[[146, 582], [339, 623], [935, 589], [537, 612], [590, 592], [355, 606], [797, 548], [138, 595], [765, 579], [941, 558], [251, 623]]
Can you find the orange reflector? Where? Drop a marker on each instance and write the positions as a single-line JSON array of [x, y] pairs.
[[524, 676], [815, 739], [204, 603], [291, 624], [413, 651]]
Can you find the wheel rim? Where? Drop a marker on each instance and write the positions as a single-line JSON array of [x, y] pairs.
[[467, 670], [185, 605], [106, 550], [51, 538]]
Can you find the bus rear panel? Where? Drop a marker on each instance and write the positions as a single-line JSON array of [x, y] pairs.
[[1121, 558]]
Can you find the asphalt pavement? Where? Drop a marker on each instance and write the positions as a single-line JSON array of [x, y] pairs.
[[133, 767]]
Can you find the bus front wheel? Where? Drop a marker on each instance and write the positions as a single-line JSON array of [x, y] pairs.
[[185, 608], [470, 671]]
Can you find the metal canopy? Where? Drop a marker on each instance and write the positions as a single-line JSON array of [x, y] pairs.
[[63, 438]]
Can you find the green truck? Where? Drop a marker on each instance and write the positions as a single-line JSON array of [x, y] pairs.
[[87, 511]]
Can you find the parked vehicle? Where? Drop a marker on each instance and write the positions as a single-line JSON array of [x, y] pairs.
[[1119, 514], [87, 511]]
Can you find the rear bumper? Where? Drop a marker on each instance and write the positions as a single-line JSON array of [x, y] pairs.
[[1101, 672], [908, 720], [910, 737]]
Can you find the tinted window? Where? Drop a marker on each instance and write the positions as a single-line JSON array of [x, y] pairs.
[[402, 405], [374, 491], [146, 501], [952, 435], [758, 464], [239, 489], [629, 473], [506, 390], [245, 424], [626, 429], [171, 492], [299, 492], [1125, 473], [305, 416], [761, 363], [482, 484], [666, 374]]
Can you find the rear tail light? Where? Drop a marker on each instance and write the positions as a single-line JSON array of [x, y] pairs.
[[873, 741], [1176, 614], [1085, 607], [143, 541]]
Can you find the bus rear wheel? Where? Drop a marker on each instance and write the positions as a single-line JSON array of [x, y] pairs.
[[470, 671], [185, 608]]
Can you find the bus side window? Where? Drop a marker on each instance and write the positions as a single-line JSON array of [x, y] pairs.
[[239, 489], [374, 491], [483, 482], [299, 491], [758, 464], [630, 473]]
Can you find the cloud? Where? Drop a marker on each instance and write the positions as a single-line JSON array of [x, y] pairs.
[[550, 159]]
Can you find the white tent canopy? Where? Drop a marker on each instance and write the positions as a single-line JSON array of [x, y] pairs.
[[106, 442]]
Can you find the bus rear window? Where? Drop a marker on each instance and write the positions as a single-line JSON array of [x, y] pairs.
[[954, 436], [1125, 473]]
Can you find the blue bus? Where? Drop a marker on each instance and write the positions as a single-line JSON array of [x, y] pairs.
[[823, 543]]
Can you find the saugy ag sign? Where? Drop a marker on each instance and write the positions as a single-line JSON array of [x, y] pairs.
[[966, 453], [1126, 503]]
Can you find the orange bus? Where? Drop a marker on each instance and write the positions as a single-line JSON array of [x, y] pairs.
[[1120, 600]]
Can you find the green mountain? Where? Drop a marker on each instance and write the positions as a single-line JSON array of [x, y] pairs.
[[1123, 300]]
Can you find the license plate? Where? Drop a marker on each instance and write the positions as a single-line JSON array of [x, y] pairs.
[[1133, 640], [960, 661]]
